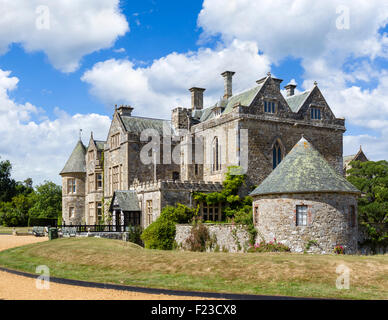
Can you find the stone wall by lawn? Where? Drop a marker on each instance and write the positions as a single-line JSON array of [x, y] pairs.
[[230, 237]]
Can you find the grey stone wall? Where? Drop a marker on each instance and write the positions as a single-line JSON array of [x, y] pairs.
[[230, 238], [328, 221], [76, 200]]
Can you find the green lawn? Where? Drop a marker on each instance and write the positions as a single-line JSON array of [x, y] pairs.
[[113, 261], [9, 229]]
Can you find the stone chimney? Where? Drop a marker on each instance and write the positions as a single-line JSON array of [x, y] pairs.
[[125, 110], [290, 89], [228, 75], [197, 98]]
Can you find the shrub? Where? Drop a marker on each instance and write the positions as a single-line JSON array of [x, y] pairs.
[[135, 235], [200, 239], [161, 233], [339, 250], [272, 246]]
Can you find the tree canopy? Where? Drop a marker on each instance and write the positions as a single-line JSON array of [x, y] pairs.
[[371, 178]]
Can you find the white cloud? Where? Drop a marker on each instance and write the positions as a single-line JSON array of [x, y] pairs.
[[154, 90], [300, 28], [40, 149], [66, 32]]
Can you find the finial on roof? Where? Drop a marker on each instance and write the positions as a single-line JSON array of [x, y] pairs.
[[315, 83], [360, 148], [115, 107], [269, 74], [91, 134], [80, 134]]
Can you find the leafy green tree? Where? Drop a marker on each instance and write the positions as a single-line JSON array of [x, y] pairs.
[[47, 201], [371, 178], [15, 212], [7, 184]]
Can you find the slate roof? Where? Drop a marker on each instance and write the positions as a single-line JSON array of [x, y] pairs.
[[99, 144], [296, 101], [245, 98], [138, 124], [126, 200], [304, 170], [76, 163]]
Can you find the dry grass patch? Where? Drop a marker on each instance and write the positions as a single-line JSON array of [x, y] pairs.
[[264, 273]]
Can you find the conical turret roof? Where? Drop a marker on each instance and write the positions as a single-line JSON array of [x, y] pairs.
[[76, 162], [304, 170]]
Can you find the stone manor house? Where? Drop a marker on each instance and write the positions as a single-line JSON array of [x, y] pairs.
[[256, 128]]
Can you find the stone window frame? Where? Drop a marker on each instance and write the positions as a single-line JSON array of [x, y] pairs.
[[99, 211], [115, 178], [149, 211], [91, 182], [306, 217], [90, 155], [256, 214], [273, 107], [352, 216], [115, 141], [99, 181], [277, 141], [92, 211], [214, 209], [319, 110], [216, 155], [71, 186], [71, 212]]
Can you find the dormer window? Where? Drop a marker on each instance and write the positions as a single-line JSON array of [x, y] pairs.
[[269, 106], [316, 113]]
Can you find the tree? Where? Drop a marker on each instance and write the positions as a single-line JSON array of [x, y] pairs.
[[371, 178], [7, 184], [47, 201]]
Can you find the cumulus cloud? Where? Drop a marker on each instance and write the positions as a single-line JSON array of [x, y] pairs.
[[39, 149], [300, 28], [65, 30], [156, 89]]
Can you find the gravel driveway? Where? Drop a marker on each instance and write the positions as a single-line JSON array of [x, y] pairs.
[[14, 287]]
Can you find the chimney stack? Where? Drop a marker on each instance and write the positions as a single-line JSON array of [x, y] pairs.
[[197, 98], [125, 110], [290, 89], [228, 75]]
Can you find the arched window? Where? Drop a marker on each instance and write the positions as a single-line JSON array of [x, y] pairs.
[[276, 154], [216, 155]]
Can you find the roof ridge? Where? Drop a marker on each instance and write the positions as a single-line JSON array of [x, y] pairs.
[[139, 117]]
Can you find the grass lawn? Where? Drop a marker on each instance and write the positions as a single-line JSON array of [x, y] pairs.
[[9, 229], [113, 261]]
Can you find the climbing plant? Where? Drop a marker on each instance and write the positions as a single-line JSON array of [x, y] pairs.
[[237, 209]]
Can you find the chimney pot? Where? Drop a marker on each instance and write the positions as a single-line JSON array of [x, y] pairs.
[[290, 89], [125, 110], [228, 75], [197, 98]]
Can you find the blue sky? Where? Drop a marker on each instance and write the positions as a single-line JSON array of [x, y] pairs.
[[148, 53]]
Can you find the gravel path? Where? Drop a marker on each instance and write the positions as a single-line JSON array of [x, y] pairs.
[[14, 287]]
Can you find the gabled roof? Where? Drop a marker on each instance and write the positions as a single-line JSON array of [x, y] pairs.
[[99, 144], [304, 170], [138, 124], [360, 155], [245, 98], [295, 102], [125, 201], [76, 163]]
